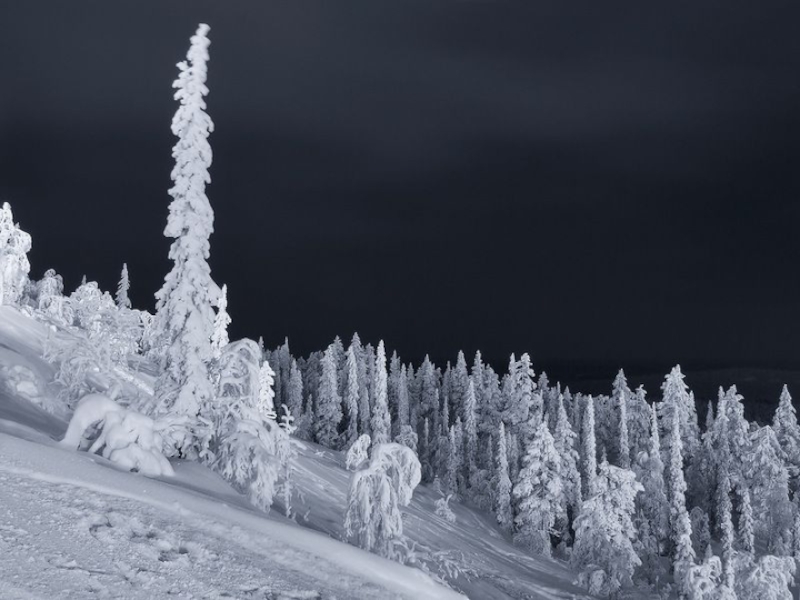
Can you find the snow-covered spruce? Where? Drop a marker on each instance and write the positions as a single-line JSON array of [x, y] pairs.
[[185, 315], [14, 266]]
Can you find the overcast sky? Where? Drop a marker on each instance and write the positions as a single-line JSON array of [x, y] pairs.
[[583, 181]]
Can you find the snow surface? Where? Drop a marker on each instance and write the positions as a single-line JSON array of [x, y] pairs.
[[74, 525]]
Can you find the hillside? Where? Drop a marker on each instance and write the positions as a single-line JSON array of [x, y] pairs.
[[72, 525]]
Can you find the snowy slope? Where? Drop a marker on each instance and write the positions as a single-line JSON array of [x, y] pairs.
[[75, 526]]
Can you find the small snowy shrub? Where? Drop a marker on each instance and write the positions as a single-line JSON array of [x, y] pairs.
[[127, 438], [376, 494], [443, 509], [358, 454]]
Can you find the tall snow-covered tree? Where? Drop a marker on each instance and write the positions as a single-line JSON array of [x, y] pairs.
[[539, 493], [603, 552], [14, 266], [683, 556], [123, 301], [788, 432], [677, 405], [589, 448], [565, 441], [403, 407], [650, 471], [470, 435], [294, 400], [351, 397], [503, 487], [185, 314], [329, 403], [624, 450], [219, 337], [768, 481], [381, 424], [746, 533]]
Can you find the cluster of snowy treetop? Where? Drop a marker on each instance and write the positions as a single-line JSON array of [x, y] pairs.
[[631, 492]]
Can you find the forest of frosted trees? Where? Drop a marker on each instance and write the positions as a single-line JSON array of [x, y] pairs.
[[633, 491]]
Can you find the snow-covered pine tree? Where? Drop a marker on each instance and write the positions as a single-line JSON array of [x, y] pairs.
[[746, 533], [768, 482], [329, 403], [788, 433], [683, 557], [603, 552], [502, 487], [565, 441], [589, 448], [470, 435], [266, 392], [677, 406], [123, 301], [14, 266], [453, 460], [381, 424], [351, 397], [650, 471], [185, 315], [219, 336], [726, 525], [638, 422], [403, 407], [539, 493], [294, 400], [624, 450]]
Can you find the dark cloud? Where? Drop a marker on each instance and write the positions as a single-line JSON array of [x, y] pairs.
[[587, 181]]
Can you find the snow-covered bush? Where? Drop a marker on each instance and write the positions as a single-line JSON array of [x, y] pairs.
[[358, 454], [14, 266], [127, 438], [376, 494], [443, 509], [50, 301]]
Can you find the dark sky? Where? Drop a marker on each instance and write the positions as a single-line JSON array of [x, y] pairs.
[[587, 181]]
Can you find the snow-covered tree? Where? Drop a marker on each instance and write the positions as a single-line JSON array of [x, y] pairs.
[[701, 534], [124, 286], [565, 441], [219, 336], [453, 459], [539, 493], [589, 448], [443, 509], [470, 450], [746, 532], [677, 405], [294, 400], [380, 422], [653, 502], [788, 431], [503, 487], [14, 266], [185, 314], [329, 403], [377, 492], [266, 391], [351, 397], [768, 481], [765, 578], [683, 555], [252, 449], [622, 394], [603, 552]]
